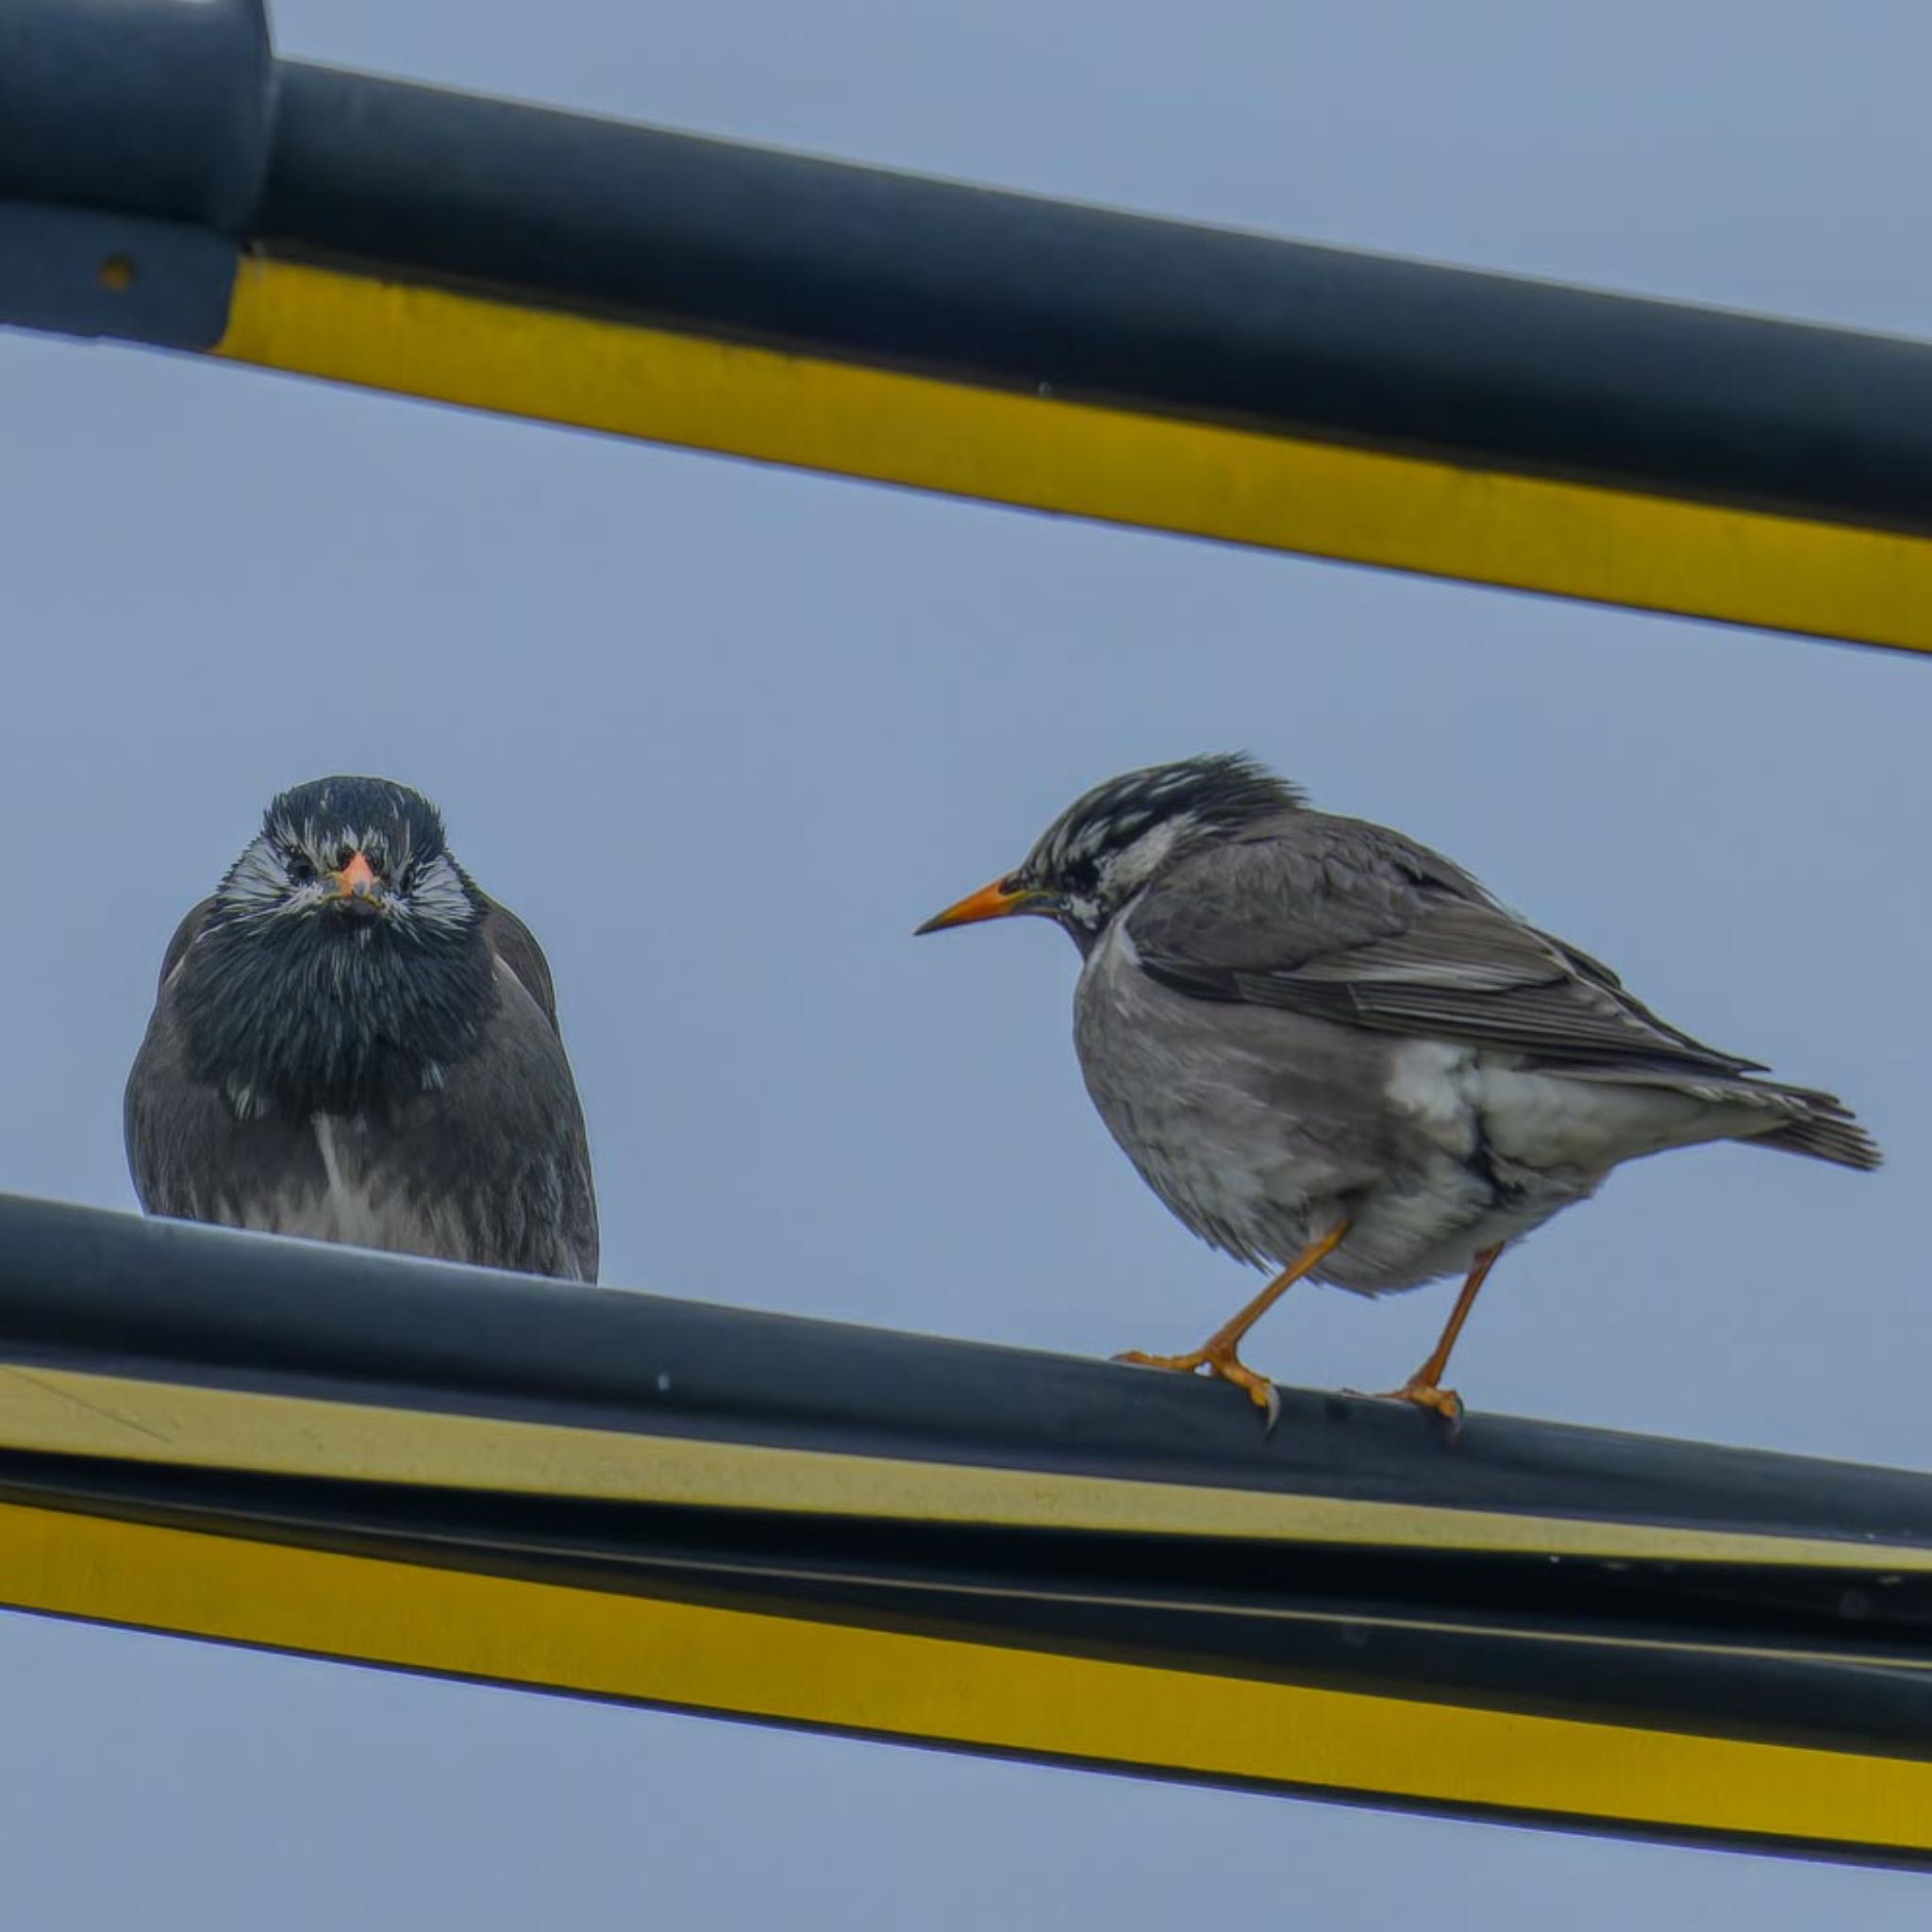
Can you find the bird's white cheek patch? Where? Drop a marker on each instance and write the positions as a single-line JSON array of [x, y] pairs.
[[1140, 861]]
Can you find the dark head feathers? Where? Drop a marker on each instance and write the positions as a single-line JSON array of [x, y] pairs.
[[1110, 842], [392, 824], [294, 996], [1214, 796]]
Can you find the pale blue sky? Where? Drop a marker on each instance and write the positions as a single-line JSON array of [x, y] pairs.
[[665, 700]]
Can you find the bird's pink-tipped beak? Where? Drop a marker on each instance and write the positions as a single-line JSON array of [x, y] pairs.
[[996, 901], [357, 885]]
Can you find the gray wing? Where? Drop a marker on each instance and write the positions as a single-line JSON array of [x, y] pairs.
[[515, 944], [498, 1156], [523, 1076], [185, 935], [190, 1156], [1346, 921]]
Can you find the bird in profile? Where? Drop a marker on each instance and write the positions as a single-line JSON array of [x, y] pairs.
[[353, 1042], [1330, 1052]]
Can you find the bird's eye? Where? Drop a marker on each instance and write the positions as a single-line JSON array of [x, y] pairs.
[[301, 870]]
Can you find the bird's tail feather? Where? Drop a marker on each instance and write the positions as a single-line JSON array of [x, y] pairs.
[[1820, 1124], [1826, 1137]]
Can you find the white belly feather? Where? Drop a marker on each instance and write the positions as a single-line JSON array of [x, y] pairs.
[[355, 1205]]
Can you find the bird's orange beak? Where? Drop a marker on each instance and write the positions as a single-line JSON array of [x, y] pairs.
[[357, 880], [1000, 900]]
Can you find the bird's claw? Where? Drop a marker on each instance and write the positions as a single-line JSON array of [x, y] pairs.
[[1223, 1364], [1439, 1401], [1183, 1364], [1269, 1401]]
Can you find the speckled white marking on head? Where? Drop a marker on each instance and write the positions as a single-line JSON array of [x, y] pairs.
[[1134, 865], [1120, 872], [259, 884], [436, 895]]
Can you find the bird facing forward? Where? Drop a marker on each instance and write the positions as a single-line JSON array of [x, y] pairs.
[[1330, 1051], [353, 1042]]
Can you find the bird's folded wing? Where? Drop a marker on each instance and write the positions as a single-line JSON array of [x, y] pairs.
[[504, 1133], [1343, 920], [185, 935], [515, 944]]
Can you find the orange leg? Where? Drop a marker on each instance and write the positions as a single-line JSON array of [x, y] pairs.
[[1424, 1388], [1217, 1355]]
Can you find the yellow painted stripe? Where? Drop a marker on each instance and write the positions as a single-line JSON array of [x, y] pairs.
[[59, 1412], [1155, 472], [936, 1688]]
